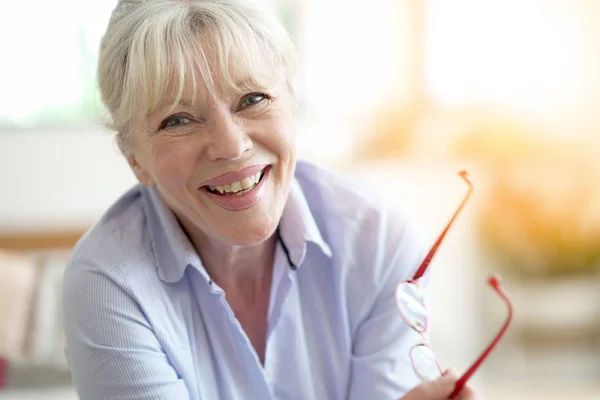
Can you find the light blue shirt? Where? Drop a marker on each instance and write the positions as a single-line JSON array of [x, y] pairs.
[[143, 319]]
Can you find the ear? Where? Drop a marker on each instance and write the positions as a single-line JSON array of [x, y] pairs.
[[140, 173]]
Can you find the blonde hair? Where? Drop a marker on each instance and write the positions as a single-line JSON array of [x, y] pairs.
[[153, 49]]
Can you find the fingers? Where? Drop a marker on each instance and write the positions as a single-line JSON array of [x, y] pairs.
[[440, 389], [468, 393], [445, 383]]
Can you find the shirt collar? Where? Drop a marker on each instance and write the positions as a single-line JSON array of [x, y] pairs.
[[172, 249], [298, 226], [174, 252]]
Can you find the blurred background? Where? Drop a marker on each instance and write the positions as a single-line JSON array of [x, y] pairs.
[[400, 94]]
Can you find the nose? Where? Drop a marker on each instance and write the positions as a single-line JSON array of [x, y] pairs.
[[229, 138]]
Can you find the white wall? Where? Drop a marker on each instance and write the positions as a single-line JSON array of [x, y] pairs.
[[58, 178]]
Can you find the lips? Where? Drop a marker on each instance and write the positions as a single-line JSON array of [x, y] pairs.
[[230, 177], [238, 200], [237, 187]]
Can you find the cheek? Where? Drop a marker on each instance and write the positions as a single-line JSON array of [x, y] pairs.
[[289, 141], [282, 138], [173, 161]]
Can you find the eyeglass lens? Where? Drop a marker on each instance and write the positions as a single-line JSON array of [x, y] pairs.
[[424, 363], [411, 304]]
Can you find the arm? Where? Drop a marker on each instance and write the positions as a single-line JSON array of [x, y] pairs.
[[381, 367], [111, 348]]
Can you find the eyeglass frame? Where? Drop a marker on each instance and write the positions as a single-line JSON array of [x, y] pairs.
[[493, 281]]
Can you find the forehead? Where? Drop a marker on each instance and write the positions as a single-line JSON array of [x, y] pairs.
[[202, 71]]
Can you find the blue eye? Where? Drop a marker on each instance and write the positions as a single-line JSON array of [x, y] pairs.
[[176, 121], [252, 99]]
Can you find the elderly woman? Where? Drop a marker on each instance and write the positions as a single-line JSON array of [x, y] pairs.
[[231, 271]]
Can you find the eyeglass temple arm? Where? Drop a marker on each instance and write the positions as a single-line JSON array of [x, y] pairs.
[[425, 264], [495, 283]]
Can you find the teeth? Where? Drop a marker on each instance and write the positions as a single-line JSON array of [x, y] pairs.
[[237, 186], [254, 178], [247, 183]]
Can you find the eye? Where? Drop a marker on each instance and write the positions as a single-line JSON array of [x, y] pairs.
[[174, 121], [251, 99]]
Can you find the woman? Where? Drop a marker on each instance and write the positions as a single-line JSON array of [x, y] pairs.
[[232, 271]]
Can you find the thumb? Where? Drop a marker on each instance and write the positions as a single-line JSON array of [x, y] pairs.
[[438, 389], [446, 382]]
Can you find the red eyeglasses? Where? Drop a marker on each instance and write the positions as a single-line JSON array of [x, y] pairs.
[[411, 304]]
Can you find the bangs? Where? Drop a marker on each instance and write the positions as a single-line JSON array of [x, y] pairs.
[[197, 54]]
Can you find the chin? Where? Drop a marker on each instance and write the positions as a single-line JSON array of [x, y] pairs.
[[250, 234], [246, 219]]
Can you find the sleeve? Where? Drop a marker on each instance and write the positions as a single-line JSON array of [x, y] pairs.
[[381, 366], [111, 348]]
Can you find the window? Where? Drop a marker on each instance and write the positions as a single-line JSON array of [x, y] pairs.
[[49, 53], [49, 56]]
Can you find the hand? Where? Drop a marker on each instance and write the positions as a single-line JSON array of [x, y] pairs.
[[440, 389]]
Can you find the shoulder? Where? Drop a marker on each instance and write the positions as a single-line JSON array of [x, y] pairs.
[[116, 243], [353, 213], [374, 244], [322, 184]]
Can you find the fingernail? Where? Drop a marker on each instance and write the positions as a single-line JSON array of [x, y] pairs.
[[449, 372]]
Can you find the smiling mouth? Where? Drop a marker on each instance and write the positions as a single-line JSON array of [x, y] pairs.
[[237, 188]]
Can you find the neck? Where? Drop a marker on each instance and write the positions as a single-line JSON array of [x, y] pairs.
[[242, 271]]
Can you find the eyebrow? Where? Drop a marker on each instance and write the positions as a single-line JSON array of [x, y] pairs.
[[189, 103], [182, 102], [165, 105]]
